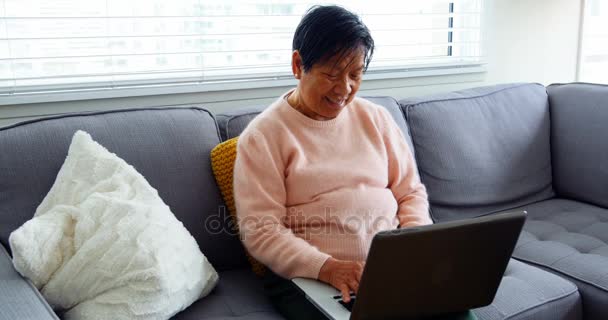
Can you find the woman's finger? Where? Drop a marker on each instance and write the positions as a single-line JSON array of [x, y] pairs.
[[345, 292], [354, 285]]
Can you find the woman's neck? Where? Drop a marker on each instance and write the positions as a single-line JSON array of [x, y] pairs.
[[294, 100]]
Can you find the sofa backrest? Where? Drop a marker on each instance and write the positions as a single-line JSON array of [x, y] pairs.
[[579, 130], [482, 150], [232, 123], [170, 147], [394, 109]]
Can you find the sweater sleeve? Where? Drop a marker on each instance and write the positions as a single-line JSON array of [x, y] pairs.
[[260, 197], [404, 180]]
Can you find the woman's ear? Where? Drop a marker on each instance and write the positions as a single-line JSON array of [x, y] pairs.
[[296, 64]]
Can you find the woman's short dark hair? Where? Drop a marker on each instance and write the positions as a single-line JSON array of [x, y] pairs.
[[326, 31]]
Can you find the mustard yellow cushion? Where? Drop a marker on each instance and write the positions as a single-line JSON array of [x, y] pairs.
[[222, 164]]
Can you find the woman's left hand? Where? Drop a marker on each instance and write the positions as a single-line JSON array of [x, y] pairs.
[[342, 275]]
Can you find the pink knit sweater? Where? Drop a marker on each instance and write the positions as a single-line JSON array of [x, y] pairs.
[[306, 190]]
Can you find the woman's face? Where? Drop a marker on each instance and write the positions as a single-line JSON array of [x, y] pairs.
[[327, 87]]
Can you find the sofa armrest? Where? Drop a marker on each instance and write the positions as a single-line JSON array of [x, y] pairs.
[[19, 299]]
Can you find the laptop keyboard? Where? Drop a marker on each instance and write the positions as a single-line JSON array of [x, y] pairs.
[[348, 305]]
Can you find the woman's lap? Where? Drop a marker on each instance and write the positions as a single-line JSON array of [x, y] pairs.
[[293, 305]]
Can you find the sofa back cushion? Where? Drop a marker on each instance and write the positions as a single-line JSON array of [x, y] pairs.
[[170, 147], [579, 130], [232, 123], [394, 109], [482, 150]]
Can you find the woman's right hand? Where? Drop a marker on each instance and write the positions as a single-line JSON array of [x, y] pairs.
[[342, 275]]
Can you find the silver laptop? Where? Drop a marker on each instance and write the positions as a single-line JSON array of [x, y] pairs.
[[426, 271]]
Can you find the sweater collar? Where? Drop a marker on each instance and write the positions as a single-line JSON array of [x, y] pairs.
[[292, 112]]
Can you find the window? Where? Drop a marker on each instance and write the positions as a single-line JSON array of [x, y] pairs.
[[77, 45], [593, 66]]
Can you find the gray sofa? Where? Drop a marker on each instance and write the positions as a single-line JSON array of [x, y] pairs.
[[479, 151]]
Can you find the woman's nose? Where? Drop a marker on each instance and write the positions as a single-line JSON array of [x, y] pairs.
[[344, 87]]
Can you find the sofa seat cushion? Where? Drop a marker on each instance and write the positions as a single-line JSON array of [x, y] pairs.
[[238, 295], [570, 238], [19, 298], [527, 292]]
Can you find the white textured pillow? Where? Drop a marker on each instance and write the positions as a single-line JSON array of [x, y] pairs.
[[103, 245]]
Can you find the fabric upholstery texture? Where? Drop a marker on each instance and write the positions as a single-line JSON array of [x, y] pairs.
[[570, 238], [393, 107], [579, 129], [526, 292], [19, 299], [563, 236], [238, 296], [232, 123], [482, 150], [169, 146], [103, 244], [222, 163]]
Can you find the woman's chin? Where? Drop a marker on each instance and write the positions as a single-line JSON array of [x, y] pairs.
[[333, 109], [331, 112]]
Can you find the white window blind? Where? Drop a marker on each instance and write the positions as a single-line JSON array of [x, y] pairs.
[[593, 65], [77, 45]]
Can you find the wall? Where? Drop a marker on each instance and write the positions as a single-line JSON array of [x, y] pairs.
[[524, 41], [532, 41]]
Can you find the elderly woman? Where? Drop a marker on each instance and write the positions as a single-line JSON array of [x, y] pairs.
[[321, 171]]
